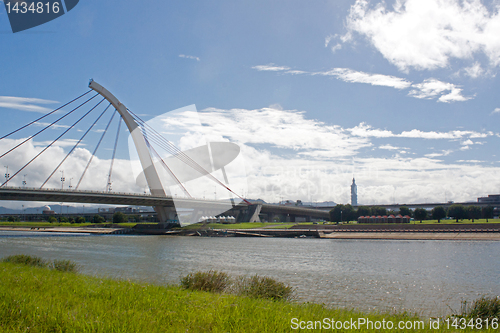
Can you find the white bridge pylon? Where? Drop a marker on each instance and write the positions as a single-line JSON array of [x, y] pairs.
[[150, 172]]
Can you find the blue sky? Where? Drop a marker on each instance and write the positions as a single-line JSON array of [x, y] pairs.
[[402, 94]]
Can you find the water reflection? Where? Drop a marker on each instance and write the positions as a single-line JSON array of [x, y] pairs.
[[427, 277]]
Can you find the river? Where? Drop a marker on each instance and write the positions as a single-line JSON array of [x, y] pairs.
[[430, 278]]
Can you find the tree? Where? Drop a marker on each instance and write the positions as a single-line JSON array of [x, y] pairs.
[[473, 212], [379, 211], [438, 213], [405, 211], [457, 212], [135, 218], [487, 212], [80, 219], [119, 217], [52, 219], [420, 214], [363, 211], [342, 213], [98, 219]]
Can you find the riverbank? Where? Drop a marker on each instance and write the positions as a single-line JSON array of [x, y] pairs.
[[83, 230], [449, 231], [42, 300]]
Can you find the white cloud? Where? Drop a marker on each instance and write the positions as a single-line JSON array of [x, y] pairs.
[[474, 71], [390, 147], [25, 104], [44, 124], [442, 153], [431, 88], [497, 110], [290, 155], [337, 47], [467, 142], [427, 34], [271, 67], [59, 143], [295, 72], [38, 171], [189, 57], [328, 39], [365, 130], [349, 75]]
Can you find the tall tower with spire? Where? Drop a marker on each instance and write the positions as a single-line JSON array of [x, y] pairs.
[[354, 193]]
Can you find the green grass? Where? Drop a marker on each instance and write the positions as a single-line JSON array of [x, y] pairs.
[[42, 224], [280, 225], [58, 265], [244, 225], [465, 221], [42, 300]]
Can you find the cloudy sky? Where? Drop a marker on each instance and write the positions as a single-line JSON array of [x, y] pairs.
[[402, 95]]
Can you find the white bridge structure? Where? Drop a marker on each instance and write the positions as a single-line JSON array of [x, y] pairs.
[[182, 166]]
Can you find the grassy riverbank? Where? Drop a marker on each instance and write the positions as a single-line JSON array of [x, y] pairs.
[[39, 224], [42, 300]]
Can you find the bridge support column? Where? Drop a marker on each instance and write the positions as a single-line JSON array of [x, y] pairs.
[[255, 216], [166, 214], [308, 219], [270, 217]]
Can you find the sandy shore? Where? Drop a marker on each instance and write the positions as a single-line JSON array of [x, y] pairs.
[[84, 230], [492, 236]]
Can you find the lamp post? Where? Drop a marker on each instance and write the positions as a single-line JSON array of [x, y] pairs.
[[7, 175], [24, 182], [62, 179]]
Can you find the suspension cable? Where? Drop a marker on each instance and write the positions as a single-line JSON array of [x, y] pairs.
[[108, 186], [31, 137], [168, 169], [76, 145], [48, 114], [95, 150], [52, 143], [170, 147]]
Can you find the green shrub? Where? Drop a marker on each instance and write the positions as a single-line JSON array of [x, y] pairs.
[[119, 217], [58, 265], [254, 287], [212, 281], [52, 219], [64, 266], [63, 219], [98, 219], [484, 308], [26, 260], [265, 287]]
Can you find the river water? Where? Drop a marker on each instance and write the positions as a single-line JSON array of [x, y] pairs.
[[430, 278]]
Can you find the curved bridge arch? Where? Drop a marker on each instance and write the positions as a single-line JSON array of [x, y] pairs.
[[154, 183]]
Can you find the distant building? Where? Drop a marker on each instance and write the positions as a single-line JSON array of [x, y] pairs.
[[47, 211], [491, 199], [384, 219], [354, 193]]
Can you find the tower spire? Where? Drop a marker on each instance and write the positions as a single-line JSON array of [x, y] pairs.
[[354, 192]]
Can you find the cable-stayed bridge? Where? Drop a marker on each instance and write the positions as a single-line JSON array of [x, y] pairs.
[[162, 165]]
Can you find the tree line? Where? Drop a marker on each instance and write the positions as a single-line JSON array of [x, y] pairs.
[[118, 217], [341, 213]]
